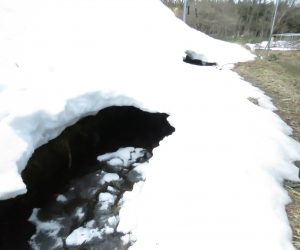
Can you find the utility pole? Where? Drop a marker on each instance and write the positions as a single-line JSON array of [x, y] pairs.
[[273, 23], [185, 5]]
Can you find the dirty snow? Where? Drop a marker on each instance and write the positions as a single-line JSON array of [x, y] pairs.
[[216, 183]]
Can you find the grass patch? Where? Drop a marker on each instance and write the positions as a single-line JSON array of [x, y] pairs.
[[277, 73]]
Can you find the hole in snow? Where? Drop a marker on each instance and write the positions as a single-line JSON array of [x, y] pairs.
[[194, 58], [63, 174]]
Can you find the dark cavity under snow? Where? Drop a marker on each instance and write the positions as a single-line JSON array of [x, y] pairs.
[[68, 165]]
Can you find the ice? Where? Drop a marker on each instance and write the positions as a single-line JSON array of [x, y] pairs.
[[50, 228], [90, 224], [106, 200], [138, 173], [128, 239], [82, 235], [114, 161], [61, 198], [112, 190], [113, 221], [122, 157], [109, 177], [79, 213]]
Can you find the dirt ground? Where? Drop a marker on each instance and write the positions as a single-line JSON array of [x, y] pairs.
[[277, 73]]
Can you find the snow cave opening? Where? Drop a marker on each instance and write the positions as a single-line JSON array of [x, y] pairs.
[[191, 57], [73, 154]]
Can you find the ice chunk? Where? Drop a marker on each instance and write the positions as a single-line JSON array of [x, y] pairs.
[[61, 198], [113, 221], [90, 224], [123, 156], [106, 201], [115, 162], [49, 229], [108, 178], [82, 235], [112, 190], [137, 174], [79, 213]]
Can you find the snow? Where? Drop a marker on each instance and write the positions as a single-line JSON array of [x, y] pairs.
[[123, 156], [216, 183], [106, 201], [61, 198], [194, 55], [81, 235], [51, 228], [112, 190], [79, 213], [108, 177], [113, 221], [138, 173], [90, 224], [128, 212], [281, 45]]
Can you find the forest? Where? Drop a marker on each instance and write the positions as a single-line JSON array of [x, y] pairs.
[[231, 20]]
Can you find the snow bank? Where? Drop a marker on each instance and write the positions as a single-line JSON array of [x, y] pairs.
[[53, 69], [215, 183]]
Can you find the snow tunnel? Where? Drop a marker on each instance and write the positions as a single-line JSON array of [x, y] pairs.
[[54, 166]]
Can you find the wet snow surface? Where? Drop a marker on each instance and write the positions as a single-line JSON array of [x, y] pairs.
[[216, 183]]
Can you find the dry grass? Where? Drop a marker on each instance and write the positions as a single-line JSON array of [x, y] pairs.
[[278, 74], [293, 210]]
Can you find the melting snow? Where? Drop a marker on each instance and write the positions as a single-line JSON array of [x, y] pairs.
[[107, 178], [216, 183], [81, 235], [61, 198], [123, 156]]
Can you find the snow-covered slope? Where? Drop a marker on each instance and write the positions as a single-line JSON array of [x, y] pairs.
[[216, 182], [54, 52]]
